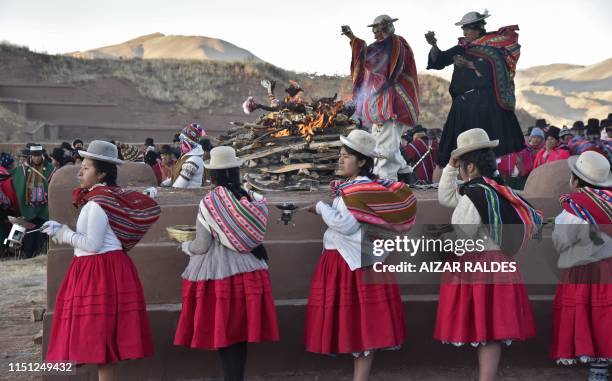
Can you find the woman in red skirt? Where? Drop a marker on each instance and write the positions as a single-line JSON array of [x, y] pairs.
[[478, 308], [346, 313], [582, 308], [100, 313], [227, 298]]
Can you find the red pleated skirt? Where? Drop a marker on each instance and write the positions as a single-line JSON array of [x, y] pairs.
[[582, 313], [483, 306], [100, 313], [346, 314], [219, 313]]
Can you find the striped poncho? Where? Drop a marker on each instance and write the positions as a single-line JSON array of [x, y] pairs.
[[385, 83], [130, 213], [239, 225], [387, 204]]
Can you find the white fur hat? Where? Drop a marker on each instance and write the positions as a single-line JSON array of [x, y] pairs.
[[472, 17], [382, 19]]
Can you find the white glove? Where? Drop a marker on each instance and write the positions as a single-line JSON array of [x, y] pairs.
[[185, 248], [266, 84], [151, 192], [51, 227], [60, 236]]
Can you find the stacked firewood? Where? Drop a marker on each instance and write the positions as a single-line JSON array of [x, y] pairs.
[[292, 150]]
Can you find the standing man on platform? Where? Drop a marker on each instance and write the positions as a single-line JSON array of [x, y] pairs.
[[385, 91], [482, 86]]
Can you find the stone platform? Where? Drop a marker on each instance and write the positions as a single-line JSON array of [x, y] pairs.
[[294, 252]]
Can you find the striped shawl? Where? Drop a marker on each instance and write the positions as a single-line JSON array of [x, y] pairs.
[[130, 214], [386, 204], [238, 224], [592, 205], [500, 205]]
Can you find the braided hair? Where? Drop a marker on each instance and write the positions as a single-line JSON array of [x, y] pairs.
[[485, 162]]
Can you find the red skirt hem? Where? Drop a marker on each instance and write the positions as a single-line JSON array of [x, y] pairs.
[[345, 314], [482, 307], [582, 313], [219, 313], [100, 312]]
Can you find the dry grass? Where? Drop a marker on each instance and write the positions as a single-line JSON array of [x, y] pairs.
[[12, 126], [213, 85], [24, 287]]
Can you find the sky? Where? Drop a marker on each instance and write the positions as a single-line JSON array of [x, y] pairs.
[[305, 35]]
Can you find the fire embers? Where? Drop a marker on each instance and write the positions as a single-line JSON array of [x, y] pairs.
[[317, 118]]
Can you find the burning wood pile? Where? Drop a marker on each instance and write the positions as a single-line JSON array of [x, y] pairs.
[[292, 149]]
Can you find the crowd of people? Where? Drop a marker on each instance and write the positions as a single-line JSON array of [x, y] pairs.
[[25, 182], [544, 143], [226, 298]]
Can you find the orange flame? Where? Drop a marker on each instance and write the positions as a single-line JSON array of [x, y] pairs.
[[324, 117], [281, 133]]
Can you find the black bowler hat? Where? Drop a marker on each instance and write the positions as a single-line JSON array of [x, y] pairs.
[[541, 123], [592, 123], [418, 128], [553, 131], [33, 149], [578, 126]]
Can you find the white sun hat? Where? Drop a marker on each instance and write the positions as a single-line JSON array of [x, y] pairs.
[[361, 141], [472, 140], [223, 157], [102, 151], [472, 17], [591, 167]]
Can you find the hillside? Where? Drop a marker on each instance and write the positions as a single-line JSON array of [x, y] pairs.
[[565, 93], [174, 92], [160, 46]]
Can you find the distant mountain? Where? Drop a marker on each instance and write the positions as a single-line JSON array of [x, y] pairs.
[[160, 46], [564, 93]]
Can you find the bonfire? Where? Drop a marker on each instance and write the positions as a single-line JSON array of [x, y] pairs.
[[292, 149]]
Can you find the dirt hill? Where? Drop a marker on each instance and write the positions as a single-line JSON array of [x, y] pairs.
[[175, 92], [160, 46], [565, 93]]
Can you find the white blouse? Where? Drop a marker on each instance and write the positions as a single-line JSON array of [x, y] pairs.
[[448, 195], [343, 231], [572, 241], [465, 213], [93, 233]]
